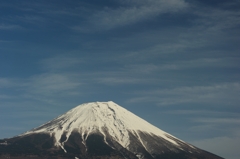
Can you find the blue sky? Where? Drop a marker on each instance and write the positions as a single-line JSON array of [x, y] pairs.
[[175, 63]]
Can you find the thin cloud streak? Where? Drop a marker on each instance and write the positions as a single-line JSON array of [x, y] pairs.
[[224, 146], [60, 63], [5, 82], [7, 27], [124, 16], [183, 65], [57, 78], [202, 112], [218, 120], [221, 93], [134, 12], [52, 83]]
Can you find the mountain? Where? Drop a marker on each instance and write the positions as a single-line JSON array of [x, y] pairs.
[[99, 130]]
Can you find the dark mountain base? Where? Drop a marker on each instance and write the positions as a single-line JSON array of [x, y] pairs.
[[41, 146], [38, 146]]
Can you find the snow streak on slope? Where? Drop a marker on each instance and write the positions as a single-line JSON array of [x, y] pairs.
[[100, 117]]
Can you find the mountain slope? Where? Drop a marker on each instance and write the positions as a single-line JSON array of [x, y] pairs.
[[99, 130]]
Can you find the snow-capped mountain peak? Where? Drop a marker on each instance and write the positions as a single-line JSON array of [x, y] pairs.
[[102, 129], [100, 117]]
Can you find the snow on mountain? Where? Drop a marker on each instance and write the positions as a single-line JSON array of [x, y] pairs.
[[99, 130], [99, 117]]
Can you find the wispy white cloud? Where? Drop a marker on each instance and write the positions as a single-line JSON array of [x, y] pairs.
[[218, 120], [45, 87], [59, 77], [6, 82], [33, 19], [123, 16], [132, 12], [60, 63], [185, 64], [5, 96], [118, 80], [216, 19], [224, 146], [9, 27], [48, 83], [221, 93], [202, 112], [205, 122]]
